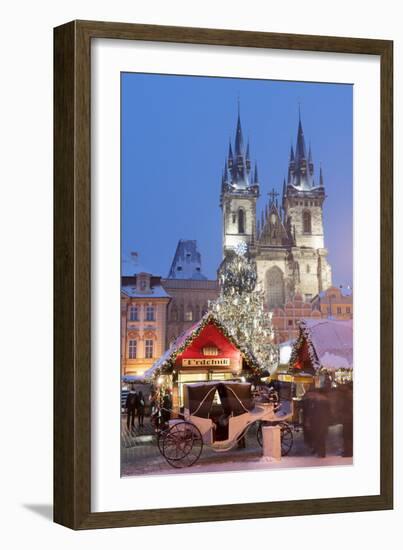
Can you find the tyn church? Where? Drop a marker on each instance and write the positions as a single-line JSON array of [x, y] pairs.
[[287, 239]]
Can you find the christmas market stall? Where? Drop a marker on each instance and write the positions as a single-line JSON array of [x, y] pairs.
[[205, 352], [324, 347], [321, 356]]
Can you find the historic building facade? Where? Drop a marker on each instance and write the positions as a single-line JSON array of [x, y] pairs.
[[335, 303], [287, 239], [143, 322], [190, 290], [286, 319]]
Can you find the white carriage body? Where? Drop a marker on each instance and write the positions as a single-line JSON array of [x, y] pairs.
[[241, 413]]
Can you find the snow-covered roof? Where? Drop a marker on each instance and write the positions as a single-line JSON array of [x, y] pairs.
[[168, 358], [344, 291], [187, 262], [156, 291], [285, 351], [331, 342]]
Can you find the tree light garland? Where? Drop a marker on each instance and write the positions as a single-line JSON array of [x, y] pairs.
[[240, 309]]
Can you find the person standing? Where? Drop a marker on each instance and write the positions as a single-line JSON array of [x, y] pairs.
[[131, 407], [166, 407], [140, 409]]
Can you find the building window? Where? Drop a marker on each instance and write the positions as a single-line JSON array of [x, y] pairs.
[[150, 313], [348, 310], [234, 218], [133, 313], [189, 314], [149, 349], [308, 268], [132, 349], [308, 297], [306, 222], [174, 314], [197, 313], [241, 221], [290, 322], [339, 311], [275, 287]]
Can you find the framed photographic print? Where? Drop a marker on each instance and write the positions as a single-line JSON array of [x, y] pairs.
[[223, 275]]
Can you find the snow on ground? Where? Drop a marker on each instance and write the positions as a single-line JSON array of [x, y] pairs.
[[251, 464], [142, 457]]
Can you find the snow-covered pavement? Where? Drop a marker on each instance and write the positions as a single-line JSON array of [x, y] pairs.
[[144, 458]]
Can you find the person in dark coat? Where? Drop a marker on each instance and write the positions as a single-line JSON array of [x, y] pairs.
[[321, 421], [316, 420], [140, 409], [166, 407], [131, 407], [346, 391]]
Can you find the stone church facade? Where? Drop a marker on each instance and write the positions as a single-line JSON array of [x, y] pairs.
[[287, 239]]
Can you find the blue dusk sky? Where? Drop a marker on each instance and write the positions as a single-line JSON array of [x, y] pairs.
[[175, 134]]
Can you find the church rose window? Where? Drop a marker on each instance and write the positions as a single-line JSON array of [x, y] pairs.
[[306, 219], [241, 221], [275, 287]]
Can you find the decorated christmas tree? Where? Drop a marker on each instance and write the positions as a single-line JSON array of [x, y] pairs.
[[240, 308]]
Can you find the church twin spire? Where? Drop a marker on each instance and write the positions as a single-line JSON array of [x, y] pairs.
[[239, 178], [301, 167], [237, 174]]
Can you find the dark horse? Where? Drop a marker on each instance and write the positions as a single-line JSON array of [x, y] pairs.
[[326, 407]]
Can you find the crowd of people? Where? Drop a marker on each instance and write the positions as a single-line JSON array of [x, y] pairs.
[[160, 409]]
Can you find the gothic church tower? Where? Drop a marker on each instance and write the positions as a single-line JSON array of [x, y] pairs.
[[239, 194], [287, 241]]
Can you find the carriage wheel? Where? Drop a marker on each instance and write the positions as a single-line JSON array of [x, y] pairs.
[[286, 437], [160, 439], [181, 445], [259, 434]]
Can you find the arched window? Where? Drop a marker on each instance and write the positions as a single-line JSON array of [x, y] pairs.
[[275, 287], [189, 313], [241, 221], [306, 222], [308, 268]]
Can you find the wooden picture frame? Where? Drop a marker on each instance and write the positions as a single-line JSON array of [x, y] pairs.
[[72, 272]]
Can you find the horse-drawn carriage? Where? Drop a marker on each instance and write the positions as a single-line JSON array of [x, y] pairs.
[[218, 414]]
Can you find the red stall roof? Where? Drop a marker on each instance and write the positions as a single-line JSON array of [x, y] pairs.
[[207, 331]]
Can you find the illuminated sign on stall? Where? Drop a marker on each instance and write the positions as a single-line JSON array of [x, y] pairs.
[[216, 362]]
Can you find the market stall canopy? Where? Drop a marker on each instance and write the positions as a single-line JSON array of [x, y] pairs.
[[133, 379], [329, 343], [193, 338]]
